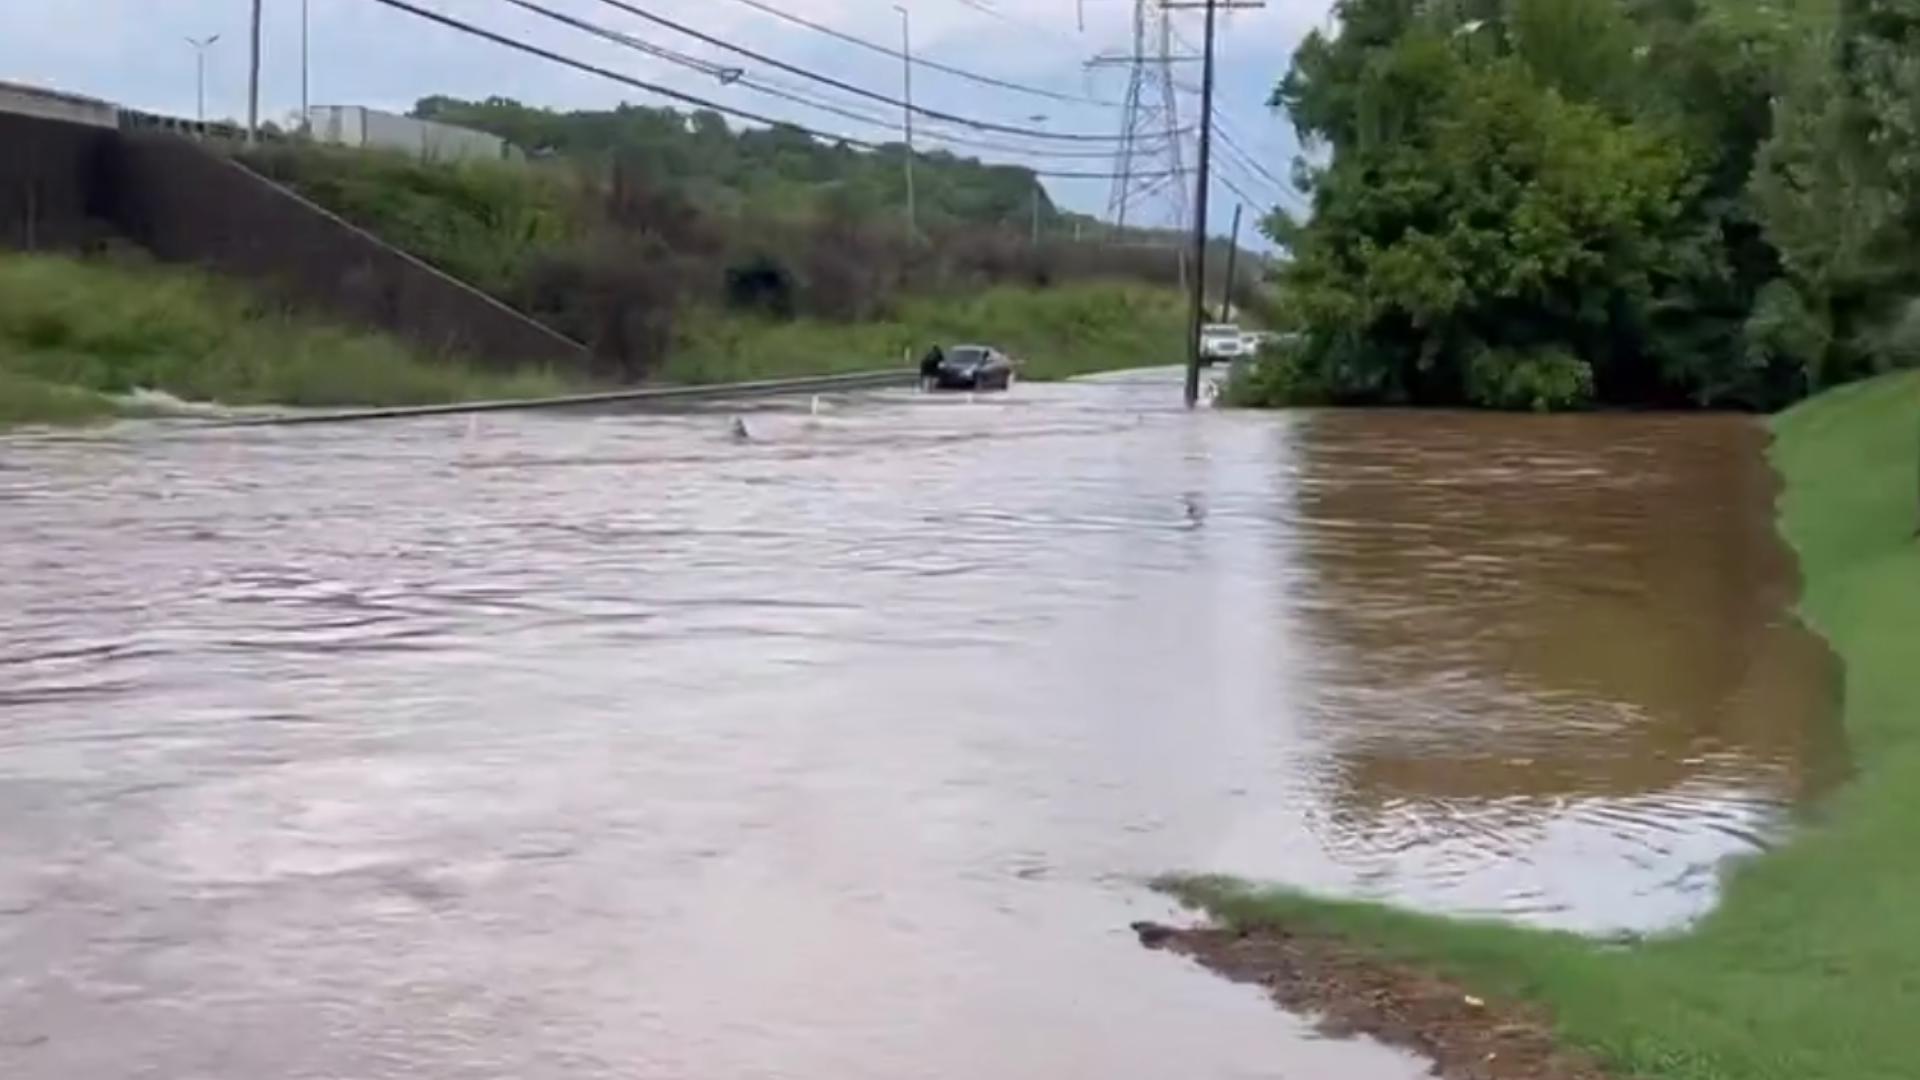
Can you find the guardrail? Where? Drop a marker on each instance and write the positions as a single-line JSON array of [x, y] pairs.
[[863, 380]]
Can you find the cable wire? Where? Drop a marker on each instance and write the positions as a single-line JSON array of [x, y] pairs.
[[922, 62], [762, 85], [840, 84], [693, 99]]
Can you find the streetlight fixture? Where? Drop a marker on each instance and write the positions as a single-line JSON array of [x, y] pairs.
[[200, 47]]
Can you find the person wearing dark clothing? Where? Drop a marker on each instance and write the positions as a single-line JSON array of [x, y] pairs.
[[930, 367]]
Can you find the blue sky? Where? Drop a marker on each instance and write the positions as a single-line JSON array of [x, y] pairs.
[[132, 51]]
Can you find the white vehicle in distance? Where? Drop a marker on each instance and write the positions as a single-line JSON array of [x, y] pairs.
[[1221, 341]]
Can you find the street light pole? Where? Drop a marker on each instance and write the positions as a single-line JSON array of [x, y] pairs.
[[306, 104], [200, 47], [253, 80], [906, 60]]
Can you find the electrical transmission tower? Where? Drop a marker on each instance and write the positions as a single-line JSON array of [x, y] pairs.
[[1150, 180]]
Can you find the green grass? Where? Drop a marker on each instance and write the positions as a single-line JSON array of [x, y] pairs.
[[27, 400], [1810, 966], [1057, 333], [481, 221], [72, 331]]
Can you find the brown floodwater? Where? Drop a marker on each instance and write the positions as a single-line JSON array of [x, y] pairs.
[[596, 747]]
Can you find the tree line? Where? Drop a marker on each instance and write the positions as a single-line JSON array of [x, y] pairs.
[[1561, 203]]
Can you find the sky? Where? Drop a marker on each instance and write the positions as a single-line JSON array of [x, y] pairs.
[[360, 52]]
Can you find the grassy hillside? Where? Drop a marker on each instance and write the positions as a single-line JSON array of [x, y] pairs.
[[1806, 970], [734, 172], [643, 267], [74, 333]]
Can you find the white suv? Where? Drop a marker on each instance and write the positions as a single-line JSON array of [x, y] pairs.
[[1221, 341]]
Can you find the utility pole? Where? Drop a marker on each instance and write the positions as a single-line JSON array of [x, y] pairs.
[[906, 62], [253, 80], [1036, 212], [1197, 307], [200, 47], [1199, 215], [1233, 250]]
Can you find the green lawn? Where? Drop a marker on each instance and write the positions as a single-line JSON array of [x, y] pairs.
[[73, 332], [1810, 966], [1056, 332]]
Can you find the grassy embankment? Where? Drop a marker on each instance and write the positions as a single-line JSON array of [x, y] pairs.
[[550, 239], [74, 334], [1056, 333], [1810, 966]]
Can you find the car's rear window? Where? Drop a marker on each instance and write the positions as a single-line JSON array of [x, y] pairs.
[[967, 354]]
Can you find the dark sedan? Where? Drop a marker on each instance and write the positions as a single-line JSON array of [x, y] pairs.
[[973, 367]]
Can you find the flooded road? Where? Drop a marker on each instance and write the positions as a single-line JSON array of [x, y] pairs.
[[562, 747]]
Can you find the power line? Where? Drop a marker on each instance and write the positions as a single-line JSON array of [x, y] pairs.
[[919, 61], [689, 99], [1227, 182], [639, 84], [840, 84], [802, 97], [724, 74], [1224, 127], [987, 9], [1251, 160], [734, 76]]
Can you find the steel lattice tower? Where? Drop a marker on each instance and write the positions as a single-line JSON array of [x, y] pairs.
[[1150, 183]]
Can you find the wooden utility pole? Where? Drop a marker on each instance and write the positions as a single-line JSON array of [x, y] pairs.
[[1233, 250], [1197, 305]]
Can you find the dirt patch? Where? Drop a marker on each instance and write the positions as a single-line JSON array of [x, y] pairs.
[[1349, 991]]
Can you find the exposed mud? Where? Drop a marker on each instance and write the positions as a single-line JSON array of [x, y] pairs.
[[1350, 991]]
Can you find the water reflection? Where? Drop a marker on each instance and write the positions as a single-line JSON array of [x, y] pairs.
[[1553, 665]]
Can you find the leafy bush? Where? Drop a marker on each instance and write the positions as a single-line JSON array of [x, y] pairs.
[[483, 222], [1282, 376], [1705, 204], [1538, 380]]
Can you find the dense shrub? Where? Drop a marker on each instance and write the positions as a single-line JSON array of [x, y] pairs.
[[1539, 380], [1550, 202]]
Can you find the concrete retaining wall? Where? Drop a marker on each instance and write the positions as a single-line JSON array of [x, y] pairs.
[[67, 185], [187, 204], [54, 179]]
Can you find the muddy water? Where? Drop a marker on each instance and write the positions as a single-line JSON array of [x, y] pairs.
[[613, 748]]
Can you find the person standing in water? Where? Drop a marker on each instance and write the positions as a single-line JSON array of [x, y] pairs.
[[930, 367]]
